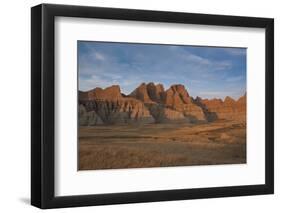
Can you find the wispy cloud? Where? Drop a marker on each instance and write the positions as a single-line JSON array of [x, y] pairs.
[[200, 69], [202, 62], [99, 56]]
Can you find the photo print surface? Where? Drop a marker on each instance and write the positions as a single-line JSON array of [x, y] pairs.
[[160, 105]]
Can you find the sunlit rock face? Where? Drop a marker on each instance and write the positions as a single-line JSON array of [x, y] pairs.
[[151, 103], [228, 108]]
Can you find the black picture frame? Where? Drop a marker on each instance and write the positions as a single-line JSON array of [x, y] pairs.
[[43, 117]]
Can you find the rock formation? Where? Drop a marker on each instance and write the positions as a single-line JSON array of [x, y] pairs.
[[141, 93], [163, 114], [176, 94], [177, 98], [88, 118], [172, 104], [109, 93], [155, 92], [241, 108], [112, 108], [228, 108], [150, 103]]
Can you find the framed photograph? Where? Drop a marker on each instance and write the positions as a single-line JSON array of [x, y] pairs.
[[136, 106]]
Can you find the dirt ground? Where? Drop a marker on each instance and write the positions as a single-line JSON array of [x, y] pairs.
[[161, 145]]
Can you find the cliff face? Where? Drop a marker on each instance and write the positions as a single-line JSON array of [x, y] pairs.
[[90, 118], [112, 108], [177, 98], [162, 114], [141, 94], [228, 109], [120, 111], [150, 103], [109, 93], [172, 104], [155, 92]]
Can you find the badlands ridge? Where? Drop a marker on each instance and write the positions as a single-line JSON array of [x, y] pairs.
[[151, 103]]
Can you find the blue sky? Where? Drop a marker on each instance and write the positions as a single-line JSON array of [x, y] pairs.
[[208, 72]]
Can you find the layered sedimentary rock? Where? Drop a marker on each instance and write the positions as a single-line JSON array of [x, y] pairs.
[[176, 95], [88, 118], [177, 98], [112, 108], [228, 108], [172, 104], [163, 114], [141, 93], [241, 108], [155, 92], [125, 110], [210, 116], [194, 112], [109, 93], [150, 103]]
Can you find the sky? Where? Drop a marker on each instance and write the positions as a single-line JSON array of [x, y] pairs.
[[208, 72]]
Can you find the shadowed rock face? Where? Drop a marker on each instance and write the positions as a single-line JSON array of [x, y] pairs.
[[150, 103], [155, 92], [121, 111], [88, 118]]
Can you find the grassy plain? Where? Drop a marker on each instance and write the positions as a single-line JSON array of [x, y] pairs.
[[161, 145]]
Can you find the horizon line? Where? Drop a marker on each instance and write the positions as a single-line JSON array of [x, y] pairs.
[[215, 97]]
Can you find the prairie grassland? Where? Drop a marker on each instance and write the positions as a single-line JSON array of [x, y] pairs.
[[161, 145]]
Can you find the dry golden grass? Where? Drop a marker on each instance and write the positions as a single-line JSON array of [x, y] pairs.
[[161, 145]]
